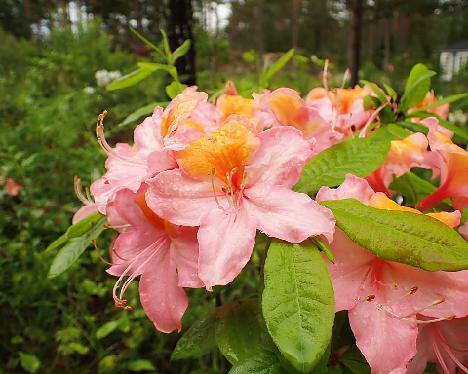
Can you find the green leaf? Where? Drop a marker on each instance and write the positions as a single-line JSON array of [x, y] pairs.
[[106, 329], [324, 247], [29, 362], [140, 112], [174, 89], [141, 365], [413, 126], [371, 102], [275, 68], [358, 156], [409, 238], [376, 90], [198, 340], [181, 50], [461, 132], [237, 330], [417, 86], [355, 362], [297, 303], [167, 48], [445, 100], [412, 187], [78, 348], [75, 230], [146, 41], [262, 361], [73, 249], [390, 91], [145, 69]]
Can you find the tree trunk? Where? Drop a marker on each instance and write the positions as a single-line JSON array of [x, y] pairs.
[[179, 28], [354, 53]]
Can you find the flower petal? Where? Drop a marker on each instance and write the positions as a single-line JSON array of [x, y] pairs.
[[226, 242], [349, 271], [288, 215], [180, 199], [280, 158], [387, 343], [162, 299], [352, 188]]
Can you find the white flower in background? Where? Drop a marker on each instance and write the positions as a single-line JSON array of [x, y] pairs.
[[89, 90], [104, 77], [458, 117]]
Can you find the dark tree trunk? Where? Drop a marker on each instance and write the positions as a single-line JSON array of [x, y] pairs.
[[179, 28], [354, 61]]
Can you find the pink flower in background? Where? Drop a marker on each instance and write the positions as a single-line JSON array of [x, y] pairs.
[[128, 166], [387, 301], [230, 184], [404, 154], [452, 162], [288, 109], [343, 107], [163, 255], [445, 343], [12, 188]]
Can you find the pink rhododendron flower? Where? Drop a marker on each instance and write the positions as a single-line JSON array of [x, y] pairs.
[[343, 107], [288, 109], [463, 230], [452, 161], [128, 166], [404, 154], [387, 301], [188, 117], [445, 343], [442, 111], [231, 184], [89, 207], [163, 255]]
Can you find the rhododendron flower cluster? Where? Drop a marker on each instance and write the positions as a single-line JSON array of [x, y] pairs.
[[203, 177]]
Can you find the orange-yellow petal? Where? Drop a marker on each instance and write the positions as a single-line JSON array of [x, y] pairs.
[[223, 154]]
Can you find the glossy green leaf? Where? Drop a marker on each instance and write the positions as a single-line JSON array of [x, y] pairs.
[[29, 362], [417, 86], [358, 156], [106, 329], [167, 48], [297, 303], [275, 68], [75, 230], [443, 101], [376, 90], [262, 361], [181, 50], [146, 41], [412, 187], [73, 249], [145, 69], [355, 362], [390, 91], [413, 239], [174, 89], [198, 340], [141, 365], [140, 112], [237, 330]]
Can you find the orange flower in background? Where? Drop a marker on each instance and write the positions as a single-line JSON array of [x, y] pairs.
[[442, 111], [11, 187], [452, 161]]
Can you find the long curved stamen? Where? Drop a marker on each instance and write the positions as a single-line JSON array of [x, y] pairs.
[[454, 358], [384, 308], [117, 227], [135, 273], [119, 302], [442, 337], [79, 191], [213, 171], [426, 321], [98, 251], [371, 119], [345, 78], [440, 359], [106, 147]]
